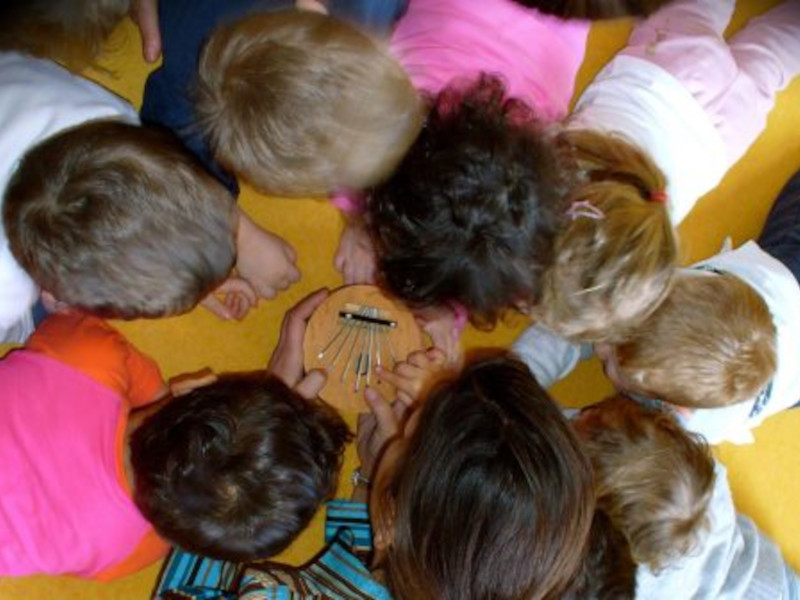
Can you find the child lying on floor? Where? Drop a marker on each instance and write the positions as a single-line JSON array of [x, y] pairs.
[[720, 349], [663, 491], [91, 438]]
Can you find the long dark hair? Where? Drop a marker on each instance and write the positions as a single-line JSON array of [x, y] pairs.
[[494, 497]]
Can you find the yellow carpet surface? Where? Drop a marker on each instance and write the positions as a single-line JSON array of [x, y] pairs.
[[764, 475]]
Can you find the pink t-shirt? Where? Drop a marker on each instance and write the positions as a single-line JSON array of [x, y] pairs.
[[64, 506], [538, 56]]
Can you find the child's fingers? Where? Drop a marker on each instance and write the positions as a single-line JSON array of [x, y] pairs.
[[436, 356], [387, 422], [145, 14], [311, 385], [406, 379], [217, 307], [405, 399], [393, 378], [237, 285], [418, 359], [183, 384]]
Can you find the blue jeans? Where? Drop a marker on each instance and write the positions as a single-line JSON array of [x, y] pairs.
[[780, 237]]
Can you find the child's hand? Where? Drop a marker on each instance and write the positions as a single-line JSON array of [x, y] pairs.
[[145, 14], [287, 358], [415, 376], [232, 300], [355, 256], [376, 428], [311, 384], [183, 384], [441, 325], [312, 5], [264, 260]]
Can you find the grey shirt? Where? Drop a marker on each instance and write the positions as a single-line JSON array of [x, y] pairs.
[[734, 561]]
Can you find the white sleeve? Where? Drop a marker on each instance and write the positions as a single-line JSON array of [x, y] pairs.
[[549, 356]]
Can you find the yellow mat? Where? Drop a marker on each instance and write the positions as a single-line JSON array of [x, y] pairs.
[[764, 476]]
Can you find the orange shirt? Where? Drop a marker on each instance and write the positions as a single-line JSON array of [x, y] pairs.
[[92, 346]]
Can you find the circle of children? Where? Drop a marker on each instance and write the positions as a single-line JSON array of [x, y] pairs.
[[468, 190]]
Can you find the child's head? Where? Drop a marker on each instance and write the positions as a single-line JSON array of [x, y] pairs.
[[236, 469], [617, 253], [120, 221], [472, 211], [711, 343], [300, 103], [654, 480], [595, 9], [487, 494], [70, 32]]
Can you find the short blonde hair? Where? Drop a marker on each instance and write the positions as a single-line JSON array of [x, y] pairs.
[[711, 343], [71, 33], [617, 253], [299, 103], [654, 479]]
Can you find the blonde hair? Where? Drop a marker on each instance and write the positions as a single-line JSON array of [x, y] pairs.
[[299, 103], [711, 343], [71, 33], [654, 480], [616, 256]]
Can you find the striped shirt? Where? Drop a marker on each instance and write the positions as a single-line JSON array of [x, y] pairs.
[[334, 574]]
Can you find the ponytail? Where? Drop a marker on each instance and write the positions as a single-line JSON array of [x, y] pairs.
[[616, 255]]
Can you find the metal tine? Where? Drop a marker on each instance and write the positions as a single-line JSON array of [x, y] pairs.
[[378, 347], [389, 346], [364, 361], [359, 328], [351, 327], [369, 354], [345, 322]]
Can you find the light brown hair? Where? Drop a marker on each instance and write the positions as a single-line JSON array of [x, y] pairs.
[[617, 253], [71, 33], [120, 220], [654, 480], [711, 343], [300, 103], [493, 495]]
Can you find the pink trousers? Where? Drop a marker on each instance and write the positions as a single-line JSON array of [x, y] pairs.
[[734, 80]]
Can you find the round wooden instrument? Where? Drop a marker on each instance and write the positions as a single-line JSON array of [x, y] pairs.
[[356, 329]]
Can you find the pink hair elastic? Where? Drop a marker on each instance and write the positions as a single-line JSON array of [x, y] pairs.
[[461, 317], [584, 208], [659, 196]]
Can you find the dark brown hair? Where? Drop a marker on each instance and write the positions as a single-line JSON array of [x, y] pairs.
[[120, 220], [595, 9], [236, 469], [493, 496], [472, 212]]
